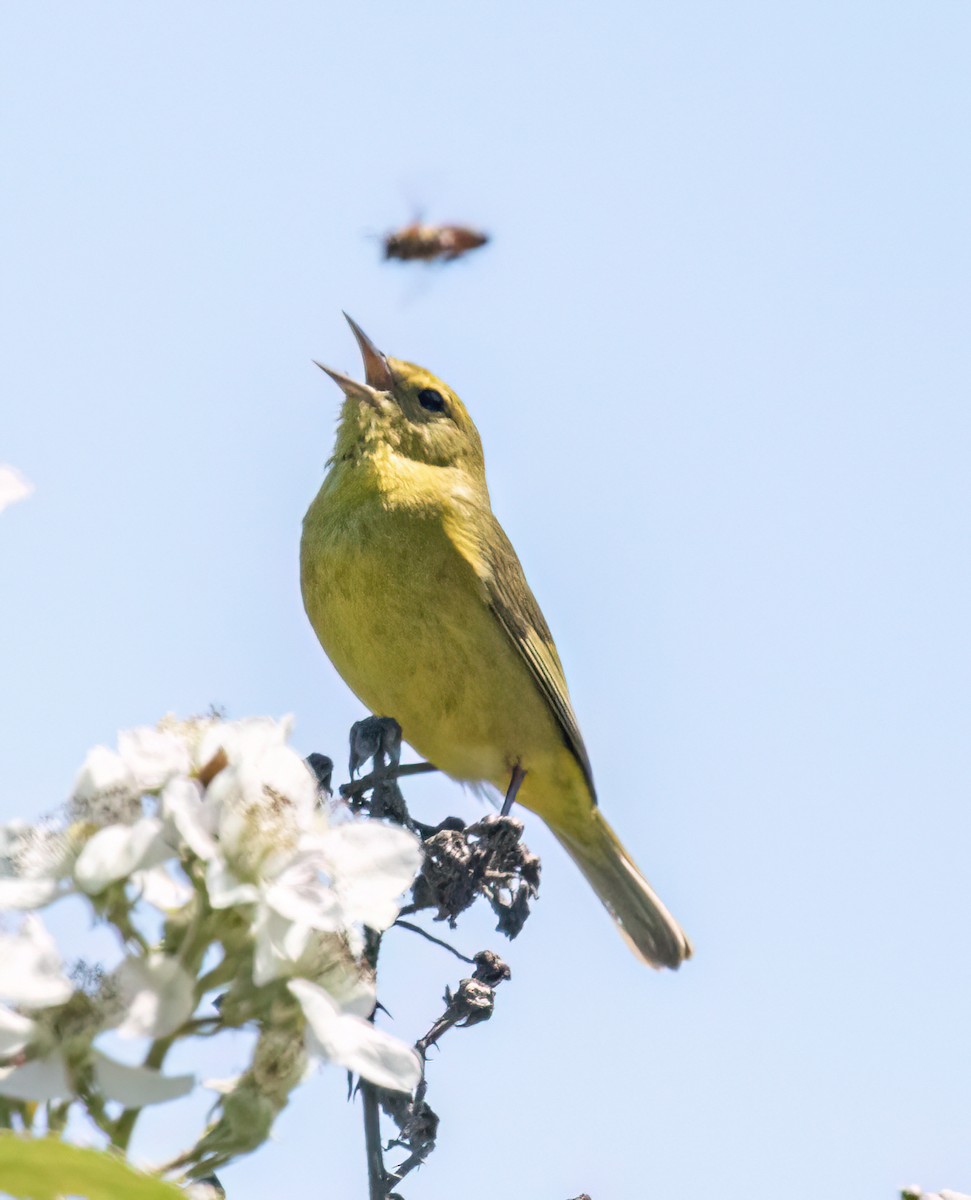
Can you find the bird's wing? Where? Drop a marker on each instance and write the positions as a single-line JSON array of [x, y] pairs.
[[500, 571]]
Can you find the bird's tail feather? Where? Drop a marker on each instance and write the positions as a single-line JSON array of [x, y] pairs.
[[646, 925]]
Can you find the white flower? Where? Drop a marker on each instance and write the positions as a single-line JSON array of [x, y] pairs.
[[279, 947], [265, 843], [47, 1078], [226, 889], [262, 807], [116, 851], [354, 1042], [158, 995], [265, 801], [339, 878], [331, 960], [105, 789], [298, 893], [13, 486], [30, 968], [156, 886], [31, 976], [110, 784], [35, 861], [26, 893], [371, 865], [239, 740], [254, 798], [195, 821], [153, 756], [40, 1079]]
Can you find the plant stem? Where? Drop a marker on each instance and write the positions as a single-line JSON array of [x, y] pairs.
[[377, 1176], [431, 938]]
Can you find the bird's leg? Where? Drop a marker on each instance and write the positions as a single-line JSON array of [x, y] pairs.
[[518, 775]]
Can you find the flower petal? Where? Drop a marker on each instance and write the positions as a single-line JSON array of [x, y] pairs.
[[16, 1031], [182, 803], [157, 887], [299, 894], [355, 1043], [135, 1087], [265, 802], [103, 771], [330, 962], [158, 994], [371, 865], [222, 1086], [153, 756], [117, 850], [30, 967], [40, 1079], [27, 893], [34, 858], [239, 739], [279, 945], [225, 889]]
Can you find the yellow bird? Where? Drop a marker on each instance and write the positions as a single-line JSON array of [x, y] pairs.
[[418, 598]]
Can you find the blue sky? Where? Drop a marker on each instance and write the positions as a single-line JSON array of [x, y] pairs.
[[718, 356]]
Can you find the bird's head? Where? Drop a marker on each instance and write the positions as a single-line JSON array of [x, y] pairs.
[[405, 409]]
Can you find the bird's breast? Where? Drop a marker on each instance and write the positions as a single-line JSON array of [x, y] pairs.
[[405, 619]]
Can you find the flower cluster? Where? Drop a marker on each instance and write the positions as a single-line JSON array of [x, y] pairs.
[[214, 834]]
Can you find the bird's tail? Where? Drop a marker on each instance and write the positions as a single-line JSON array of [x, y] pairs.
[[646, 925]]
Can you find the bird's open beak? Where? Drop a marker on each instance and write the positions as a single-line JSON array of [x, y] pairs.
[[376, 371], [350, 387]]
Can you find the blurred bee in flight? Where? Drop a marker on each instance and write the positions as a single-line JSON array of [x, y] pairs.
[[432, 243]]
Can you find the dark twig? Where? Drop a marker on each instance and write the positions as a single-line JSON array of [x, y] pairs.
[[356, 789], [379, 1182], [473, 1002], [487, 858], [431, 938], [460, 863], [378, 1179], [416, 1120]]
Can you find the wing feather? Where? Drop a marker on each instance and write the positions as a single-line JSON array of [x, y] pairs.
[[500, 571]]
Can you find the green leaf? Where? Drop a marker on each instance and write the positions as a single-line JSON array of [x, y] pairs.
[[45, 1168]]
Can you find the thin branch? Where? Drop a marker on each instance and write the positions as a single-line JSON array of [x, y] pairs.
[[379, 1182], [431, 938], [378, 1179], [355, 789], [222, 973]]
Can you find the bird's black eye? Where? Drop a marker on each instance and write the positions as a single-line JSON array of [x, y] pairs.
[[432, 400]]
